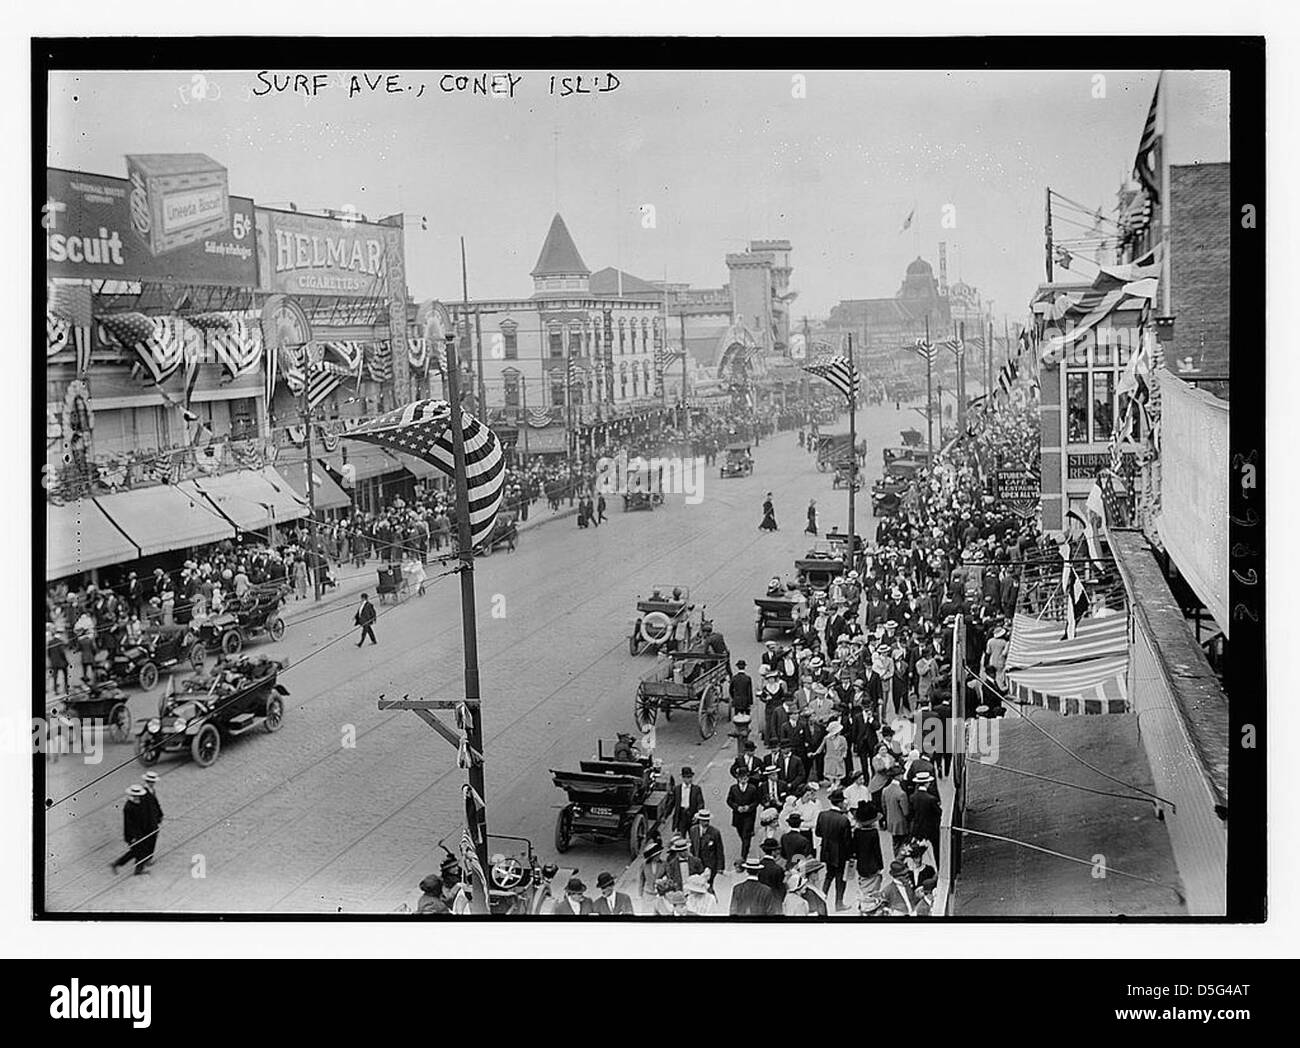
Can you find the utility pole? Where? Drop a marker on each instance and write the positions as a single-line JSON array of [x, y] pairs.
[[571, 438], [960, 332], [1047, 232], [686, 404], [311, 491], [853, 455]]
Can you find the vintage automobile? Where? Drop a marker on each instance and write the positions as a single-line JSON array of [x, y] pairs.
[[240, 695], [739, 461], [99, 702], [662, 620], [817, 569], [256, 615], [694, 679], [613, 800], [776, 612], [505, 532], [846, 474], [640, 500], [832, 449], [911, 438], [166, 648], [519, 885]]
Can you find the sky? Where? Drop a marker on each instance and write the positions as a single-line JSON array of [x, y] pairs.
[[671, 170]]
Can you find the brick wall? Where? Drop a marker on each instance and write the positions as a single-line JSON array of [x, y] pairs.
[[1200, 220]]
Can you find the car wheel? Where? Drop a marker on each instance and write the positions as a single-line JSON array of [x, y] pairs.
[[198, 655], [206, 746], [634, 642], [274, 715], [119, 723], [647, 709], [232, 642], [708, 712], [563, 830], [148, 676], [275, 627], [146, 749], [636, 834]]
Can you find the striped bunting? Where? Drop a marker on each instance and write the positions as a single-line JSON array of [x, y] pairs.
[[839, 372], [925, 349], [1037, 642], [1094, 686], [379, 361], [423, 429], [1144, 164], [235, 342], [954, 345], [57, 331], [417, 353], [323, 378], [157, 342]]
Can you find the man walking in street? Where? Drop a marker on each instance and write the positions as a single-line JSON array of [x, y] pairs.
[[689, 800], [365, 618], [139, 829], [743, 799], [150, 782], [742, 690], [706, 844], [611, 903], [836, 835], [750, 898]]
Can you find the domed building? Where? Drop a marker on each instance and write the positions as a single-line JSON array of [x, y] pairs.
[[887, 324]]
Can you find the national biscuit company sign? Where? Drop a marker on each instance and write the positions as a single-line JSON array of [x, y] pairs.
[[171, 220], [309, 255]]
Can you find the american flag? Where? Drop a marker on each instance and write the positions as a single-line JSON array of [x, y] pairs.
[[1076, 600], [236, 342], [379, 361], [423, 429], [1144, 165], [469, 858], [323, 378], [839, 372], [926, 350], [1007, 375], [158, 342]]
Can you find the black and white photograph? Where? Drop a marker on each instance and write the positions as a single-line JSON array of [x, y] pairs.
[[632, 481]]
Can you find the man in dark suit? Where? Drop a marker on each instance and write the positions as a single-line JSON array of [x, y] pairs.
[[575, 902], [742, 690], [926, 813], [611, 903], [750, 761], [365, 618], [773, 872], [835, 831], [790, 773], [680, 863], [743, 799], [706, 844], [794, 842], [689, 799], [750, 898]]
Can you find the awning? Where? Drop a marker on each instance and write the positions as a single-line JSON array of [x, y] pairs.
[[549, 441], [1091, 686], [252, 498], [1036, 642], [415, 466], [79, 536], [164, 517], [369, 460], [328, 494]]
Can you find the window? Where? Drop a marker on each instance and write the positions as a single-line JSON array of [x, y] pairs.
[[557, 343], [622, 336], [510, 341], [510, 384], [575, 341], [243, 419], [645, 335], [557, 389], [1076, 401], [1103, 405], [634, 379]]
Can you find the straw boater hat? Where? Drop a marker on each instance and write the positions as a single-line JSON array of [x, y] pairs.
[[135, 791], [697, 884]]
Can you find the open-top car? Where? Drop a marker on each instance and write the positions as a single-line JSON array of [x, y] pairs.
[[518, 883], [638, 500], [101, 703], [166, 648], [739, 461], [256, 614], [663, 620], [238, 696], [613, 800]]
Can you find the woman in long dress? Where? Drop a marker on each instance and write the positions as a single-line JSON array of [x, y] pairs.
[[769, 515], [811, 529]]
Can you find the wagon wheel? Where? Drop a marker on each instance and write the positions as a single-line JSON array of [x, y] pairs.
[[634, 642], [645, 711], [206, 746], [232, 642], [708, 712], [637, 834], [563, 830], [198, 654], [145, 750], [119, 723], [275, 627], [274, 714], [148, 676]]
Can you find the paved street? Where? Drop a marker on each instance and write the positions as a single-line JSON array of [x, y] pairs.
[[340, 811]]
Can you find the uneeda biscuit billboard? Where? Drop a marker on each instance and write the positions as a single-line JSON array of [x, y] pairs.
[[191, 232]]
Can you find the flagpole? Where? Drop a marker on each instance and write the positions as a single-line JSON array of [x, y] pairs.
[[929, 389], [476, 813], [311, 494]]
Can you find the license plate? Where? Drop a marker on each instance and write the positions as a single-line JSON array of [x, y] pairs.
[[601, 811]]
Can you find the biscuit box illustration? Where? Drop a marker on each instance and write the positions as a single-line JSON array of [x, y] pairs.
[[177, 199]]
